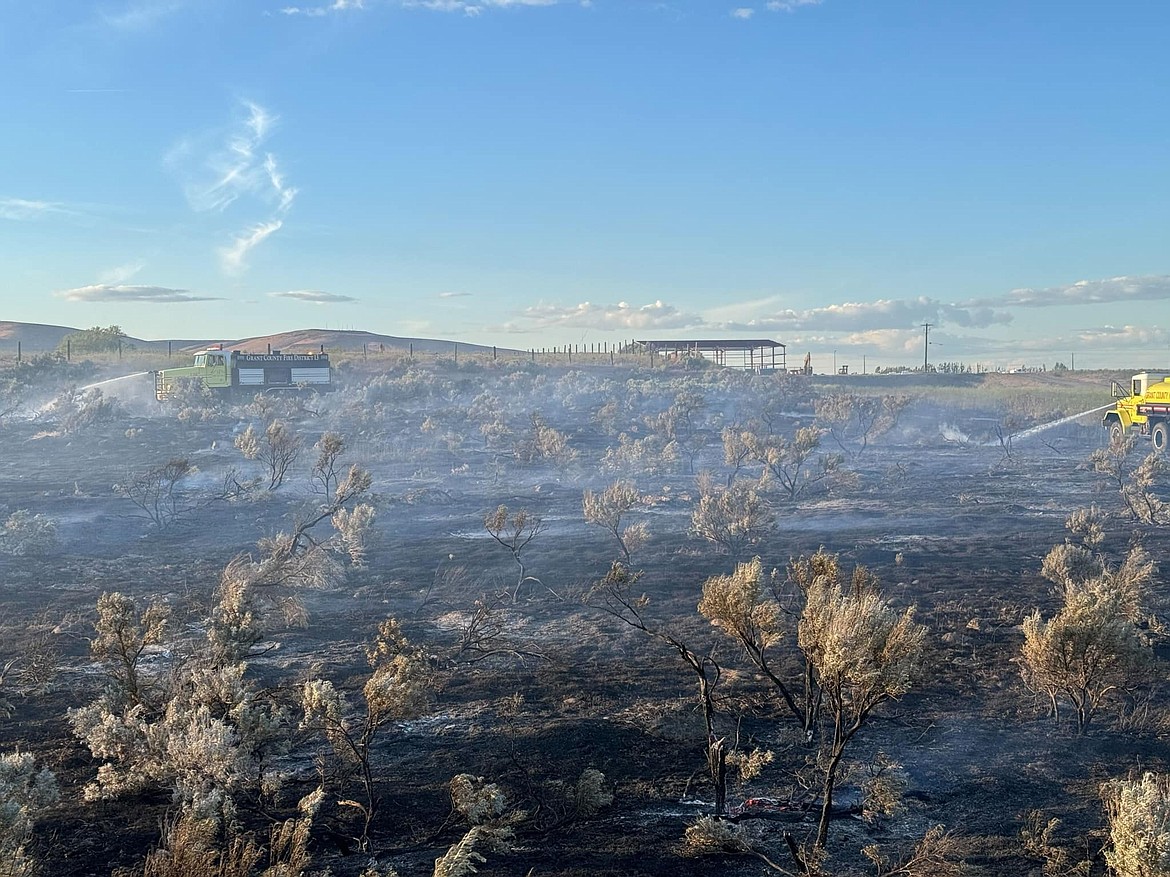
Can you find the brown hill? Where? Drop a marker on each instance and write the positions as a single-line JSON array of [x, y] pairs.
[[337, 339], [33, 337], [39, 338]]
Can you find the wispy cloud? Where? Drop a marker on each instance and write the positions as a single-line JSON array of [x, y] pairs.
[[22, 210], [121, 273], [141, 15], [473, 7], [104, 292], [587, 315], [1151, 287], [323, 10], [236, 168], [453, 294], [868, 316], [234, 257], [743, 12], [314, 295], [790, 5], [236, 171]]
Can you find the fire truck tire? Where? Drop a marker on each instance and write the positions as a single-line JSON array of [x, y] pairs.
[[1160, 436], [1116, 432]]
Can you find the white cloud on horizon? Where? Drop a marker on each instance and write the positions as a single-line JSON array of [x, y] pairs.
[[868, 316], [104, 292], [620, 316], [315, 296], [1150, 287]]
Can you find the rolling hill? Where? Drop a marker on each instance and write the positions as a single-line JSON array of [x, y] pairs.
[[40, 338]]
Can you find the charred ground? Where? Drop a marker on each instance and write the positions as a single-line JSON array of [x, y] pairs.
[[950, 515]]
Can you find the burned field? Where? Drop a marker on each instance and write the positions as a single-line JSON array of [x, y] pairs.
[[484, 645]]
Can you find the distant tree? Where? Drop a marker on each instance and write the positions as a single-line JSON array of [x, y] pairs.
[[93, 340]]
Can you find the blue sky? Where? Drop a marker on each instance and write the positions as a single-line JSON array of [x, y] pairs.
[[527, 173]]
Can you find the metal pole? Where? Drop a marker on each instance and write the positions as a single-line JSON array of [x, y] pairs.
[[926, 347]]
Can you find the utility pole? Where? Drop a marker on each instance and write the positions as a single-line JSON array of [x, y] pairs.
[[926, 347]]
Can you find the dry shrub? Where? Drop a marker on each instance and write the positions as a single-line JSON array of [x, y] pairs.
[[1139, 826], [27, 534]]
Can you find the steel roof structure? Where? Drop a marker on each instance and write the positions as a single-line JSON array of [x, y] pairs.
[[752, 354]]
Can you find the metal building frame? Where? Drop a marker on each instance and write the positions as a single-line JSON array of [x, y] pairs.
[[752, 354]]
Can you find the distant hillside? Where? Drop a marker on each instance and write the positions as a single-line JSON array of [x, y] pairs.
[[39, 338], [336, 339], [33, 337]]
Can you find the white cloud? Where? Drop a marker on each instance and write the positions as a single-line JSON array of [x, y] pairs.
[[1124, 337], [1152, 287], [104, 292], [236, 167], [22, 210], [121, 273], [743, 12], [319, 11], [233, 258], [790, 5], [141, 15], [314, 295], [472, 7], [866, 316], [454, 294], [587, 315], [237, 171]]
